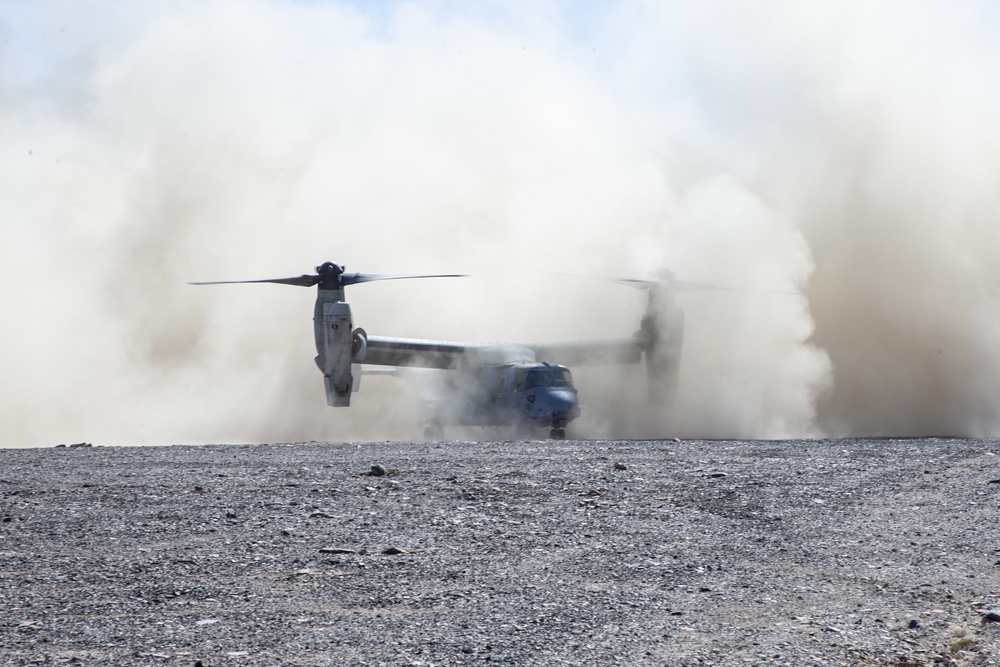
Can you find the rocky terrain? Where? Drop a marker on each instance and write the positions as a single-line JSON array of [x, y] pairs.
[[823, 552]]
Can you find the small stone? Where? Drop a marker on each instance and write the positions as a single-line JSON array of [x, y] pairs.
[[393, 551], [716, 475], [320, 515], [620, 466], [377, 470], [992, 616], [336, 550], [913, 624], [230, 515]]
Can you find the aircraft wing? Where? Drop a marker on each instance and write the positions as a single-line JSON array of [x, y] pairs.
[[445, 355], [415, 352], [590, 352]]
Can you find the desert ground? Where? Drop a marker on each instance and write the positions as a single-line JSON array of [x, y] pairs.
[[801, 552]]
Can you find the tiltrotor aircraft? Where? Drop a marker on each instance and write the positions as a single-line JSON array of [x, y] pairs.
[[491, 384]]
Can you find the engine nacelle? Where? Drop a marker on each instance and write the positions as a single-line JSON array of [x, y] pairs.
[[663, 358], [662, 334], [334, 347]]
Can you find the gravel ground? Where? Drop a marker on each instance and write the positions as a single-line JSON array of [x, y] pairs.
[[819, 552]]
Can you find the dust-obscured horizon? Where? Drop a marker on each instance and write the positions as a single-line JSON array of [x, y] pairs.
[[839, 160]]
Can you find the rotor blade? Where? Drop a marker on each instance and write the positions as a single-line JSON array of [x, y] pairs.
[[677, 285], [299, 281], [636, 283], [628, 282], [688, 286], [355, 278]]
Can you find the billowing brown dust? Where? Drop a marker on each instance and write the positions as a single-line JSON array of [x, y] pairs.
[[842, 152]]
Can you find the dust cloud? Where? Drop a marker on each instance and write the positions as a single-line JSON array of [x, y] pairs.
[[837, 160]]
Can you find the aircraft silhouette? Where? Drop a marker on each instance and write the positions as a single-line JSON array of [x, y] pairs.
[[521, 385]]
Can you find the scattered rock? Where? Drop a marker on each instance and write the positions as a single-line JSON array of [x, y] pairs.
[[512, 555], [716, 475], [377, 470]]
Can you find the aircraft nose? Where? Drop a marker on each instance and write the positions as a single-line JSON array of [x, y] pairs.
[[558, 402]]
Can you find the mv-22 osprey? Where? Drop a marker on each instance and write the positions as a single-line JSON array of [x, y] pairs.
[[492, 384]]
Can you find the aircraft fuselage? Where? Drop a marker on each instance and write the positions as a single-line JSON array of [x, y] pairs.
[[520, 395]]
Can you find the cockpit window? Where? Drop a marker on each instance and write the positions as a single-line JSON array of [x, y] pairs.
[[519, 381], [554, 377]]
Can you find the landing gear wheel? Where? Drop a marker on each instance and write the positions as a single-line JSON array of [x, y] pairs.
[[558, 434]]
